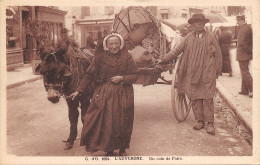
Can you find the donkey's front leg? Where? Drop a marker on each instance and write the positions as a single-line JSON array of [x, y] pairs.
[[73, 118]]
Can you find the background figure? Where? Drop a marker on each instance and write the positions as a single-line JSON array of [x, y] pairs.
[[65, 41], [244, 55], [224, 39], [108, 123], [90, 43]]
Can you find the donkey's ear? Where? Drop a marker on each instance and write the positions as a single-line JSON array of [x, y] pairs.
[[38, 68]]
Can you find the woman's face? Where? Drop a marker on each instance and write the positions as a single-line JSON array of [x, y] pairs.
[[113, 44]]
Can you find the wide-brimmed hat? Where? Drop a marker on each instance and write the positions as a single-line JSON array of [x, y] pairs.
[[198, 18], [240, 17]]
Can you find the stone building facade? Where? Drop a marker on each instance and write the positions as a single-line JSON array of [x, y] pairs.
[[21, 48]]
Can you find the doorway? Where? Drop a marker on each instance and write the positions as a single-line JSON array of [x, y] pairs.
[[25, 38]]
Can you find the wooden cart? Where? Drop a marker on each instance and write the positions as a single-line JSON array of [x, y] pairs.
[[139, 27]]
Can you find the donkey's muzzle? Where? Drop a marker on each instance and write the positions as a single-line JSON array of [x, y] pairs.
[[54, 99], [53, 95]]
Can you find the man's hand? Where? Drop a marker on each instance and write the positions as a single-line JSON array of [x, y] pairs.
[[159, 61], [74, 95], [117, 79]]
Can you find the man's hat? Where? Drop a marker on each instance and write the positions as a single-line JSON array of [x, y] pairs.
[[198, 18], [240, 17], [64, 30]]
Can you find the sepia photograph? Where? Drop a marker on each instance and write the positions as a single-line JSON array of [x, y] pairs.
[[129, 82]]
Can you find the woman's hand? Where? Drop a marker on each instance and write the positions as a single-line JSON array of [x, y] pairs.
[[116, 79], [158, 61], [74, 95]]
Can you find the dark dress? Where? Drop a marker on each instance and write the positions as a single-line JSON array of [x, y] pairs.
[[224, 42], [108, 123]]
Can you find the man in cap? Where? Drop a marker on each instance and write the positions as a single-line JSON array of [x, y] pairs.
[[244, 54], [198, 68], [65, 41]]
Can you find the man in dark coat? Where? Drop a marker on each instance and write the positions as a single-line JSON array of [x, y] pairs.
[[90, 43], [64, 42], [244, 54]]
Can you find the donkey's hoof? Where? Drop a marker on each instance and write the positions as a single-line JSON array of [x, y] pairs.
[[68, 145]]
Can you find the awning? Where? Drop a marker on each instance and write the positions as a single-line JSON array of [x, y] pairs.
[[215, 18]]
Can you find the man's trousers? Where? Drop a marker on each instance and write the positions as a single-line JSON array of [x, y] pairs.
[[203, 109], [247, 81]]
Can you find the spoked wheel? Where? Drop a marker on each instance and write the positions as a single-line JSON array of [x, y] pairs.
[[181, 104]]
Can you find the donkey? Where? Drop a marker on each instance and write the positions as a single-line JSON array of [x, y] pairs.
[[62, 71]]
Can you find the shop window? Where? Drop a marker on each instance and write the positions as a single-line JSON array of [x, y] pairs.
[[97, 27], [165, 15], [109, 10], [46, 32], [12, 27], [85, 11]]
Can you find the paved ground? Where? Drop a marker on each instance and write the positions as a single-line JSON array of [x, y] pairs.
[[228, 87], [36, 127]]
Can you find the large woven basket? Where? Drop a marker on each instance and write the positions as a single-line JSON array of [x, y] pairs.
[[139, 27]]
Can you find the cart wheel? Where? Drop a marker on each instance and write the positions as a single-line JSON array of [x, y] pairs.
[[181, 104]]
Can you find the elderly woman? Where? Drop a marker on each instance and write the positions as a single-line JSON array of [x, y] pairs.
[[109, 120]]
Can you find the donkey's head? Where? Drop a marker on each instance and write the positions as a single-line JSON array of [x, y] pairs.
[[54, 70]]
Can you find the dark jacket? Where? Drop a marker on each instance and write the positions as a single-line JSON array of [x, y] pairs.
[[90, 44], [244, 43], [224, 38]]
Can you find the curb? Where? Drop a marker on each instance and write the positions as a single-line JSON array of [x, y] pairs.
[[23, 82], [243, 115]]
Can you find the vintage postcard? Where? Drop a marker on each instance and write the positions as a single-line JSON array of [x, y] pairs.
[[130, 82]]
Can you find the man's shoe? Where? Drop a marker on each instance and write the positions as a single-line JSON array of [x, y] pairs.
[[68, 145], [199, 125], [241, 93], [250, 94], [210, 129]]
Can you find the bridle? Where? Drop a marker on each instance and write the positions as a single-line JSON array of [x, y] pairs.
[[61, 82], [57, 86]]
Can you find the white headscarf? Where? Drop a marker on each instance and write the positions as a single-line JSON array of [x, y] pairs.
[[110, 35]]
